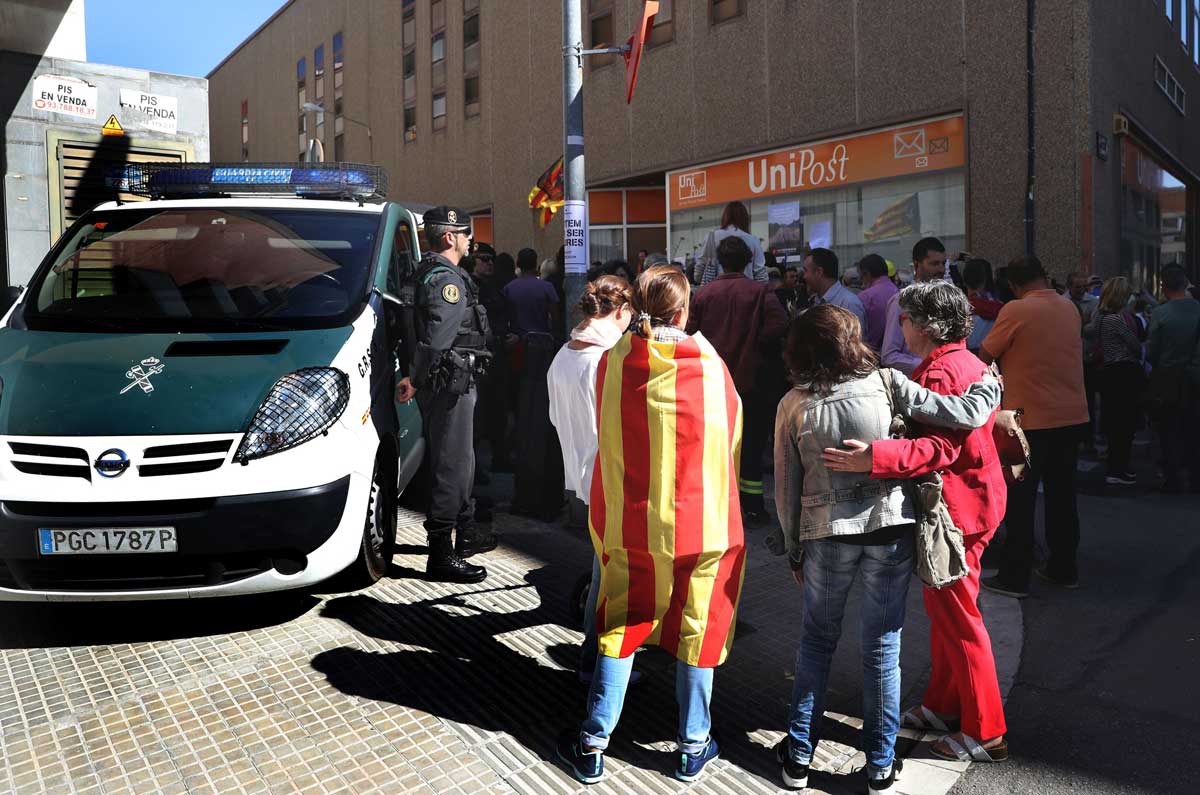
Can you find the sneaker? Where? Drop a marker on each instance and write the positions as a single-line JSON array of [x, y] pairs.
[[996, 585], [692, 765], [1044, 573], [587, 766], [885, 786], [795, 775], [1121, 479]]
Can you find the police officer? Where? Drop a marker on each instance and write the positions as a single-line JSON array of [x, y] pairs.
[[451, 350]]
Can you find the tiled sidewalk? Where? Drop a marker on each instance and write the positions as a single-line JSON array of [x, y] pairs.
[[409, 687]]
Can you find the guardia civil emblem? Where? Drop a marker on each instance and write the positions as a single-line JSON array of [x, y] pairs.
[[140, 375]]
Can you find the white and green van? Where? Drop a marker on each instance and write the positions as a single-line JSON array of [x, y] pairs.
[[197, 392]]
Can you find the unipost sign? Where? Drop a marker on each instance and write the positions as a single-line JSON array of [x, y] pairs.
[[156, 112], [575, 230], [933, 145], [69, 96]]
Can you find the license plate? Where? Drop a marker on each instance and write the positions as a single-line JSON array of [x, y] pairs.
[[105, 540]]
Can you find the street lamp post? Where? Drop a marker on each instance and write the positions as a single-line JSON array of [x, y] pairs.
[[318, 108]]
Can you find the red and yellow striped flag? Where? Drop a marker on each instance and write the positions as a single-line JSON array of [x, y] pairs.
[[665, 517]]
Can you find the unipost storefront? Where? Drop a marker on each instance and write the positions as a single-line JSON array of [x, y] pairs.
[[874, 192]]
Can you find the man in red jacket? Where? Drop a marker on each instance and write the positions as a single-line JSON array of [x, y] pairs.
[[738, 315]]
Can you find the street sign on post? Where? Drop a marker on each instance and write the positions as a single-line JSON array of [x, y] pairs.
[[635, 45]]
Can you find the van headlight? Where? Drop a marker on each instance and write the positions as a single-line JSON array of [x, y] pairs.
[[301, 406]]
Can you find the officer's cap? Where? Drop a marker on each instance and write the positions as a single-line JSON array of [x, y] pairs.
[[484, 249], [448, 216]]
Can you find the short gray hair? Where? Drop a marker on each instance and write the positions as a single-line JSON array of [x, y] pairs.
[[939, 309]]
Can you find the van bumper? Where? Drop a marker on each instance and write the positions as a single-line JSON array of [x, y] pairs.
[[226, 545]]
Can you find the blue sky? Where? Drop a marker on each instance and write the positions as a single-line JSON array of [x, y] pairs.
[[179, 36]]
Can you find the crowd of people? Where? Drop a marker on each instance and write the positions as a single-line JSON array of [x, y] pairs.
[[681, 387]]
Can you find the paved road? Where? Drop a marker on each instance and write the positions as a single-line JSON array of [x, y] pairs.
[[1106, 699]]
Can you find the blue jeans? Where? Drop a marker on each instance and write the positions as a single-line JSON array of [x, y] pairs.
[[829, 570], [588, 649], [693, 691]]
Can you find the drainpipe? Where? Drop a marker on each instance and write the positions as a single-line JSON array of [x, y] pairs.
[[1031, 148]]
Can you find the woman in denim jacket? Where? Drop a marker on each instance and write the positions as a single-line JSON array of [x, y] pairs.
[[837, 524]]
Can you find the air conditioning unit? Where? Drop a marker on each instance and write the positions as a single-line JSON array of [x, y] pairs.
[[1120, 124]]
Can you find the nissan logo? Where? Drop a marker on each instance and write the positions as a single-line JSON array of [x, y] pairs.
[[112, 463]]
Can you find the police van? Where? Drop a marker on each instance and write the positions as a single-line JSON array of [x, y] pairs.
[[197, 392]]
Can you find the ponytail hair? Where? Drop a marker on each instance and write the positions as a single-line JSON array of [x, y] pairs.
[[660, 294], [605, 296]]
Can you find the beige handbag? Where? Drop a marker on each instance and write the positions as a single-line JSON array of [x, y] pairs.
[[941, 558]]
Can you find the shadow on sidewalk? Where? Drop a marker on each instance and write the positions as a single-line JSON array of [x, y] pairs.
[[459, 666]]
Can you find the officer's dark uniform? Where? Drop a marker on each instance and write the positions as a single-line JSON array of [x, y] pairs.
[[452, 348]]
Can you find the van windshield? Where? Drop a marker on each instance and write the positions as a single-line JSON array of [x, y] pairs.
[[207, 269]]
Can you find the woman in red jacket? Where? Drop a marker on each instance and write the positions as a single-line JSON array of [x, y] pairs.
[[935, 318]]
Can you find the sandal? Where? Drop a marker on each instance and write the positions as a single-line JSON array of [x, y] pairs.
[[922, 718], [969, 750]]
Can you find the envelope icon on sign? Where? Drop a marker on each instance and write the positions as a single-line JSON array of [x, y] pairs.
[[909, 144], [939, 146]]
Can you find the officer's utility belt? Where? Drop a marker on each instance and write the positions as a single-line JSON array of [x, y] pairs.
[[459, 369]]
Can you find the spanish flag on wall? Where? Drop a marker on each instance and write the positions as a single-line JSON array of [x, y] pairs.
[[665, 517], [547, 195]]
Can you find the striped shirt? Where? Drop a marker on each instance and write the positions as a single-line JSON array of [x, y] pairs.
[[1119, 341]]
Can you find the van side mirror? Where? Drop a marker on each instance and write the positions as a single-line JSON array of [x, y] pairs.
[[11, 295]]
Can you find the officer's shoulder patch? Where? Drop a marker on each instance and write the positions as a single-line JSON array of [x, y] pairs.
[[451, 293]]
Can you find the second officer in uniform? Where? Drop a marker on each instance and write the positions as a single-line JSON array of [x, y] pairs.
[[451, 351]]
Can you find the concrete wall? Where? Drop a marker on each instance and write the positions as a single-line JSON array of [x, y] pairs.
[[26, 194], [52, 28]]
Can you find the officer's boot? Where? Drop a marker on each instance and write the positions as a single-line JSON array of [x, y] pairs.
[[472, 541], [445, 566]]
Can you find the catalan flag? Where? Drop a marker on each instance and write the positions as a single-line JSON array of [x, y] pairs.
[[665, 518], [901, 218], [547, 195]]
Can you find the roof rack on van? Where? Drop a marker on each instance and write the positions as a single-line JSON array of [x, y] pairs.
[[174, 180]]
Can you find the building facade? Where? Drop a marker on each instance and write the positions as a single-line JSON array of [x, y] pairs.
[[1062, 127]]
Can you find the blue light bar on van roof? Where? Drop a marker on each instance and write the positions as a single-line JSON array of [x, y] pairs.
[[318, 180]]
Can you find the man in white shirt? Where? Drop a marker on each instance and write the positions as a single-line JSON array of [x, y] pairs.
[[821, 275], [929, 264]]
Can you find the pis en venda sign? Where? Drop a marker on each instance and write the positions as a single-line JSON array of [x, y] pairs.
[[66, 95], [150, 111]]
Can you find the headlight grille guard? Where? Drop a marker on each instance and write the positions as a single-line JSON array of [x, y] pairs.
[[300, 407]]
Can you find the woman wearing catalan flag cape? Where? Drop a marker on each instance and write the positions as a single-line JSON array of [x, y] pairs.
[[664, 520]]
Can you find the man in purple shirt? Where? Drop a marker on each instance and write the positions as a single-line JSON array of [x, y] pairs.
[[929, 264], [737, 315], [532, 302], [877, 291]]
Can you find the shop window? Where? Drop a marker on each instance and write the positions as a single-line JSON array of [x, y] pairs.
[[663, 30], [471, 57], [600, 31], [439, 111], [721, 10]]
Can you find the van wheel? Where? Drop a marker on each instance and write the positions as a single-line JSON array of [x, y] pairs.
[[379, 532]]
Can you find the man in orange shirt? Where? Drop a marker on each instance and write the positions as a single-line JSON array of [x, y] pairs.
[[1037, 343]]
